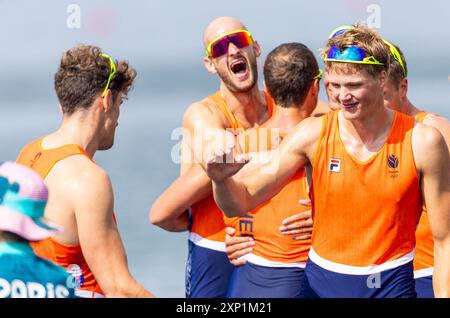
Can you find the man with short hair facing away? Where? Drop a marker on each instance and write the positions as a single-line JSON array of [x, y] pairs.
[[91, 87], [275, 267]]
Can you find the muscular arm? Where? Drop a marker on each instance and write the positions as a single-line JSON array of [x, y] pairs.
[[433, 161], [170, 210], [99, 236], [255, 184]]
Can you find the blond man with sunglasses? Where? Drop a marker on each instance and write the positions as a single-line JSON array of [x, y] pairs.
[[371, 169], [231, 53], [395, 97], [90, 87]]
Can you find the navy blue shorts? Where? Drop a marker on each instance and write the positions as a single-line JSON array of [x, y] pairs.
[[392, 283], [424, 287], [208, 273], [255, 281]]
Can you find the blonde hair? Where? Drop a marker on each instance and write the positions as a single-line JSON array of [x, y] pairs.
[[369, 40]]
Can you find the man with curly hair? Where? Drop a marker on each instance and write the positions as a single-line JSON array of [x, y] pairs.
[[90, 86]]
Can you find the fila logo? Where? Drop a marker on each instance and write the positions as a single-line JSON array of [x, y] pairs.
[[335, 165]]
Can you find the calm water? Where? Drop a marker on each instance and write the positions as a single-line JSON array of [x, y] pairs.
[[140, 164]]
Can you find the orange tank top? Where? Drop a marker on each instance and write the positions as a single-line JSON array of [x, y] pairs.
[[69, 256], [272, 247], [424, 257], [365, 213], [207, 226]]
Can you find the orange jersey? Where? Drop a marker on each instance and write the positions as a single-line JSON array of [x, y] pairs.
[[424, 257], [365, 213], [208, 226], [66, 255], [273, 249]]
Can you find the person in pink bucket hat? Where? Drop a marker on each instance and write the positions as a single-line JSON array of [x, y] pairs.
[[23, 274]]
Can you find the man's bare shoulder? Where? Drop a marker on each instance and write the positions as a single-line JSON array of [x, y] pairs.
[[440, 123], [205, 113], [427, 142], [426, 134], [79, 175]]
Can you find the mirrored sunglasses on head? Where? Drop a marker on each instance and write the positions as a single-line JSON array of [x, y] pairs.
[[350, 54]]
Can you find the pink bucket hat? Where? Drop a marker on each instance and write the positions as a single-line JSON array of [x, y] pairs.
[[23, 196]]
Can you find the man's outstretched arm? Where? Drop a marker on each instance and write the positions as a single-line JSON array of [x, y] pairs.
[[240, 186]]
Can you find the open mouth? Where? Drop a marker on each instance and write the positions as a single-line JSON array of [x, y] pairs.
[[239, 68]]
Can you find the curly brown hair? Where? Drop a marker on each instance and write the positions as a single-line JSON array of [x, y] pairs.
[[83, 74], [365, 38]]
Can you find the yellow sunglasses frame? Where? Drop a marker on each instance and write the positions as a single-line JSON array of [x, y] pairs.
[[397, 56], [318, 76], [208, 48], [112, 71]]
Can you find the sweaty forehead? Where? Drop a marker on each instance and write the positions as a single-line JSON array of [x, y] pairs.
[[342, 70], [344, 78]]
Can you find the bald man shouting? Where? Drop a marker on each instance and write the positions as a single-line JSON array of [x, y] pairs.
[[231, 53]]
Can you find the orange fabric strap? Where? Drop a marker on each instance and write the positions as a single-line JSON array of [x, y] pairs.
[[219, 101], [234, 123], [420, 117], [43, 160]]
